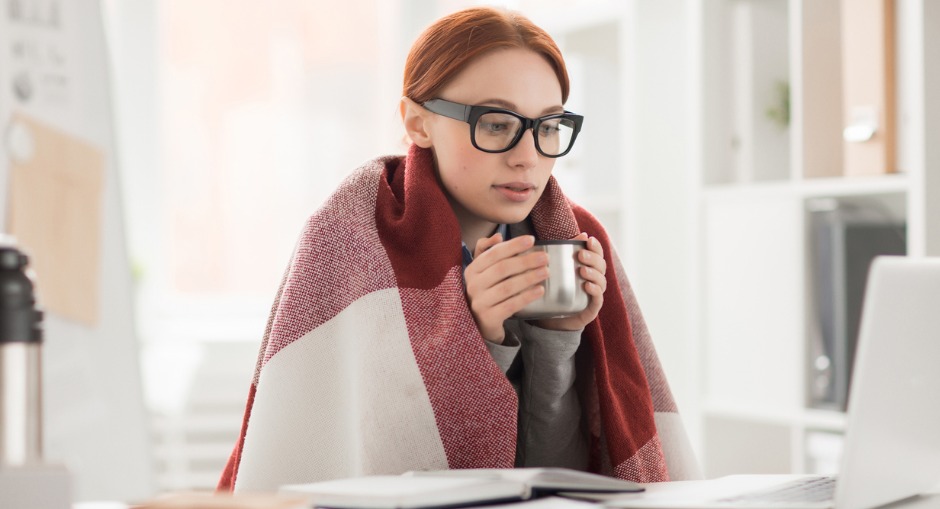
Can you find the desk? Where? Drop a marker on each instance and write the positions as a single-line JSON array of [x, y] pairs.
[[931, 501], [708, 493]]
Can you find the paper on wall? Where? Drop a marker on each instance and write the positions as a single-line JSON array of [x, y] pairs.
[[55, 192]]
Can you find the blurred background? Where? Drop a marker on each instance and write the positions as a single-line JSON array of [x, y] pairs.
[[748, 157]]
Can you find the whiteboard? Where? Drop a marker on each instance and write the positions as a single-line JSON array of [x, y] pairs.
[[54, 69]]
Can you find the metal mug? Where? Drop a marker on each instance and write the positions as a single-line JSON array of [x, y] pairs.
[[564, 288]]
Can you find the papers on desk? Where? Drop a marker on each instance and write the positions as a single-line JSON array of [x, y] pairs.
[[455, 488], [398, 492], [547, 503]]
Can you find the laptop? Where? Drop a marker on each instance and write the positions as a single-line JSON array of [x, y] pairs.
[[892, 441]]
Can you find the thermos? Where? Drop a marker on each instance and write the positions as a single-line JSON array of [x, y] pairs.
[[20, 350]]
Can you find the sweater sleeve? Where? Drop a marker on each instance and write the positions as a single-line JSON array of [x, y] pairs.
[[506, 352], [550, 431]]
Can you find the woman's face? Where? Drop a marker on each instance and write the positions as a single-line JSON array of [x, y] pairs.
[[486, 188]]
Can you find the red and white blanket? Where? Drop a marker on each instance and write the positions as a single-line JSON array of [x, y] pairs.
[[372, 363]]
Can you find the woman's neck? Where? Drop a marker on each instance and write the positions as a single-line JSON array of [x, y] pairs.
[[472, 227], [471, 231]]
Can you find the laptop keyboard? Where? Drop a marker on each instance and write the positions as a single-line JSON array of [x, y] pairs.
[[811, 489]]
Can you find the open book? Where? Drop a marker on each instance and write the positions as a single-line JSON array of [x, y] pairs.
[[452, 488]]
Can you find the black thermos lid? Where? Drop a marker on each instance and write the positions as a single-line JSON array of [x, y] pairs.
[[20, 321]]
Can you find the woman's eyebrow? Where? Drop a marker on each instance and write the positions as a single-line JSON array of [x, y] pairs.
[[510, 106], [499, 103]]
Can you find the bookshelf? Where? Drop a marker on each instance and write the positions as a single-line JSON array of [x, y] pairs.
[[760, 184]]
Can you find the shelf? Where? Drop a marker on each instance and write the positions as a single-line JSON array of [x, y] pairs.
[[809, 418], [852, 186], [824, 420], [748, 413], [749, 189], [813, 188]]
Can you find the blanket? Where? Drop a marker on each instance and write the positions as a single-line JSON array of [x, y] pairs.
[[371, 362]]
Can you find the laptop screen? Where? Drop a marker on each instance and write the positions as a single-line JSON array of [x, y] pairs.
[[892, 446]]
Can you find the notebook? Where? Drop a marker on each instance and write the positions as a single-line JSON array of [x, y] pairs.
[[452, 488], [892, 442]]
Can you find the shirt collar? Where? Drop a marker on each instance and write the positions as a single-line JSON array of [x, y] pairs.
[[502, 229]]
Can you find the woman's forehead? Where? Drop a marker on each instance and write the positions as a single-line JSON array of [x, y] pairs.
[[515, 78]]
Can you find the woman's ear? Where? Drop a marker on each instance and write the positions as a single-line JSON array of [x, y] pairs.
[[415, 118]]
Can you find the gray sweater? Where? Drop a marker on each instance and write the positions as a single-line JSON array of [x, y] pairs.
[[540, 365]]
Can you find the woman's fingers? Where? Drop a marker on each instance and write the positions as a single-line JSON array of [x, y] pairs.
[[501, 280], [497, 313], [492, 249], [593, 270], [508, 288], [503, 261], [486, 243]]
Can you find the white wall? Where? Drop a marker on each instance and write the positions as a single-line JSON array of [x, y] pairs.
[[93, 411], [661, 185]]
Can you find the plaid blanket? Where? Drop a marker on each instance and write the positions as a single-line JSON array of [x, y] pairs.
[[372, 363]]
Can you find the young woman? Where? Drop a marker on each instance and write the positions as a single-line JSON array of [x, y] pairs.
[[392, 344]]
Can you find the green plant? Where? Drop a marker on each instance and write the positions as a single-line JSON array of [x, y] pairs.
[[779, 112]]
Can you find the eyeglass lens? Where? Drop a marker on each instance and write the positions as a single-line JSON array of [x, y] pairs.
[[497, 131]]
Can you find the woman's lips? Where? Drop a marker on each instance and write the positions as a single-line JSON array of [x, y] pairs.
[[516, 191]]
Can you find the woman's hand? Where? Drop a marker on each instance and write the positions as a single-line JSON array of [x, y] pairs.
[[500, 282], [593, 270]]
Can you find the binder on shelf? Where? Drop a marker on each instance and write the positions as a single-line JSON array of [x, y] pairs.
[[846, 237], [869, 131]]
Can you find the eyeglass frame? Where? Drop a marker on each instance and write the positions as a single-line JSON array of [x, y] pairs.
[[471, 114]]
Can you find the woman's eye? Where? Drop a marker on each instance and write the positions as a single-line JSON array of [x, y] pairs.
[[548, 128], [494, 128], [497, 124]]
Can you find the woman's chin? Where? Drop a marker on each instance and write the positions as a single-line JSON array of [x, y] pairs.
[[512, 217]]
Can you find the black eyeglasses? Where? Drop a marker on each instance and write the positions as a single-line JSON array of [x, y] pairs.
[[496, 130]]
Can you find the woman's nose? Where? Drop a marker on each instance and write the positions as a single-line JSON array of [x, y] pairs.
[[524, 153]]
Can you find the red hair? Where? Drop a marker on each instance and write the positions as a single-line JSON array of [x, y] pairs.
[[446, 47]]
